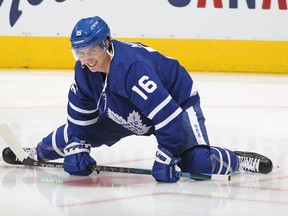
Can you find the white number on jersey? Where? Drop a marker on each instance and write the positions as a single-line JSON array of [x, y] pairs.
[[147, 85], [74, 87]]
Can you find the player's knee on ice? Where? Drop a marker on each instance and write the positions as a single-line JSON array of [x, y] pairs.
[[205, 159]]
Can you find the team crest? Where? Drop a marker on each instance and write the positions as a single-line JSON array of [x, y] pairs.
[[133, 122]]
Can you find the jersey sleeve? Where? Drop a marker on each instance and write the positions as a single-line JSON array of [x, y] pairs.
[[147, 92], [82, 106]]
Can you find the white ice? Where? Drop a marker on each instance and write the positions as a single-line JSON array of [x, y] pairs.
[[243, 112]]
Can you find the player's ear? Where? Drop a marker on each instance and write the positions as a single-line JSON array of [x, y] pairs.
[[108, 43]]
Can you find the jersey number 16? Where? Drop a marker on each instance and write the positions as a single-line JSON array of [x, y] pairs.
[[146, 85]]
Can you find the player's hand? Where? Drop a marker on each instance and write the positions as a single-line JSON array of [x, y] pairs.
[[77, 158], [164, 166]]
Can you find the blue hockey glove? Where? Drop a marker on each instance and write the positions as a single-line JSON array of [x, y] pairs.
[[164, 166], [77, 158]]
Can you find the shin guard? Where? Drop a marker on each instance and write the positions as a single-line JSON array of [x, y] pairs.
[[224, 161], [205, 159]]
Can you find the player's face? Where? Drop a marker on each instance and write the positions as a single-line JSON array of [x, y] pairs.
[[95, 58]]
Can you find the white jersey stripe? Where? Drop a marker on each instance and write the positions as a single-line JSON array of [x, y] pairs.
[[195, 126], [228, 168], [159, 107], [167, 120], [54, 144], [221, 160], [193, 90], [65, 133], [82, 123], [77, 109]]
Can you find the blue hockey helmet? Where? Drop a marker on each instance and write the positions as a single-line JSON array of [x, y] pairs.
[[89, 32]]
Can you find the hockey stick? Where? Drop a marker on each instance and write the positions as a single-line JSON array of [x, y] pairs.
[[10, 139], [200, 176]]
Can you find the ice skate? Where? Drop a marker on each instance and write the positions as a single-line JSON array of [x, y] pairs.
[[10, 158], [254, 162]]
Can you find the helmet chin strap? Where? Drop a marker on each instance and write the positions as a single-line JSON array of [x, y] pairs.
[[103, 93], [110, 52]]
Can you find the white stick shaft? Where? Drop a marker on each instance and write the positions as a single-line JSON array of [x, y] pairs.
[[8, 136], [221, 177]]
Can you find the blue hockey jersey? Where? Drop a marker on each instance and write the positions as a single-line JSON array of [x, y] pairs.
[[145, 92]]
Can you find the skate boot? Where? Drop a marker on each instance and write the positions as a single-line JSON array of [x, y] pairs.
[[10, 158], [253, 162]]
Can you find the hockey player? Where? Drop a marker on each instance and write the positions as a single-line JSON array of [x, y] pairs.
[[122, 89]]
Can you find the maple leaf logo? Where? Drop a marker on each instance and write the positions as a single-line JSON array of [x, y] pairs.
[[133, 122]]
